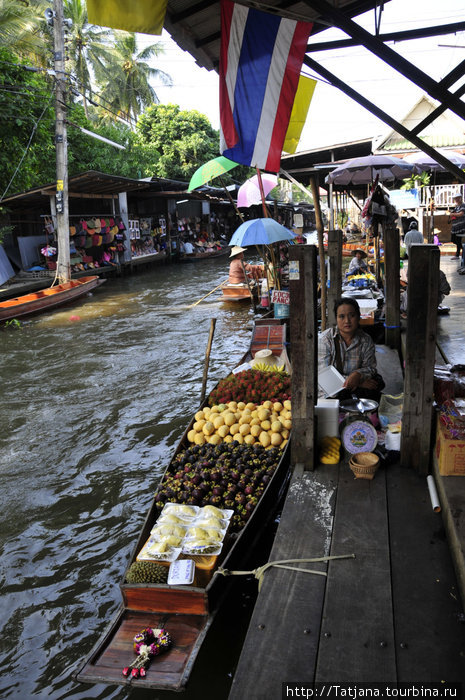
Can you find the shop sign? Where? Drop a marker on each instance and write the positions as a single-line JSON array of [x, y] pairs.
[[278, 296]]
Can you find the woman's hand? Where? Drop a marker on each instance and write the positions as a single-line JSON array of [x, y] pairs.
[[353, 381]]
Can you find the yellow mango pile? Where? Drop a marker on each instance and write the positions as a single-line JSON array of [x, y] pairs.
[[329, 450], [269, 424]]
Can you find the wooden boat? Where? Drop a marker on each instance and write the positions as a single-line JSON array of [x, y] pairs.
[[197, 257], [186, 612], [236, 292], [46, 299]]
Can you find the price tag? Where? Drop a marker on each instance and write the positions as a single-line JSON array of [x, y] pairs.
[[181, 572]]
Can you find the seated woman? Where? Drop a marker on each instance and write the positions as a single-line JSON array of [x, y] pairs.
[[358, 265], [352, 352]]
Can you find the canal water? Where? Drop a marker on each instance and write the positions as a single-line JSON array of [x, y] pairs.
[[91, 410]]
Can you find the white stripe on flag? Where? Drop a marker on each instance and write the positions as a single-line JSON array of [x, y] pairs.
[[278, 65], [238, 21]]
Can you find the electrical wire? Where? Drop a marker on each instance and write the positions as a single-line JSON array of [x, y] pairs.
[[34, 128]]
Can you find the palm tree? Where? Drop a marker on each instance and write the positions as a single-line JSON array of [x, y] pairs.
[[125, 78], [22, 27], [87, 45]]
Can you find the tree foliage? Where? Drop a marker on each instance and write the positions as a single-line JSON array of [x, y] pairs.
[[184, 139]]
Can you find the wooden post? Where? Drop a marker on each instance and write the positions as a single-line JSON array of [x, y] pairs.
[[207, 359], [422, 311], [321, 248], [304, 334], [335, 272], [392, 285]]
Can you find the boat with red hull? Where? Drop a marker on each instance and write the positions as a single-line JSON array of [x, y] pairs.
[[45, 299]]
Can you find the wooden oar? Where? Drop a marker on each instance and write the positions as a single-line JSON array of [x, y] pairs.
[[206, 295], [207, 359]]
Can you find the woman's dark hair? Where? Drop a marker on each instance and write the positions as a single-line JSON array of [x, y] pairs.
[[347, 300]]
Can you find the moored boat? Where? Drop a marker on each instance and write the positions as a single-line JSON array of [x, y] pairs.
[[46, 299], [187, 611]]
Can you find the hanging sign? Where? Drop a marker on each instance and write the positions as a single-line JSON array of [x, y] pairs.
[[294, 273], [278, 296]]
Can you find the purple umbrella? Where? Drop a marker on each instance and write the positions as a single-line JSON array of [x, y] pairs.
[[249, 193]]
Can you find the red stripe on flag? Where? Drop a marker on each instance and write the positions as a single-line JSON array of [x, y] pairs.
[[226, 115], [287, 94]]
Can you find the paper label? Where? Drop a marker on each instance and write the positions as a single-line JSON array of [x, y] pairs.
[[181, 572], [278, 296], [294, 273]]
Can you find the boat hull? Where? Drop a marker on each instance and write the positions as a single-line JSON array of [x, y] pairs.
[[235, 292], [45, 299]]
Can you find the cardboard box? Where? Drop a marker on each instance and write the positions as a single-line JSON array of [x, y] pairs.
[[449, 453]]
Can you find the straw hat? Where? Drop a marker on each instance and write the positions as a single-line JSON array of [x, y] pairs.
[[359, 250], [235, 250]]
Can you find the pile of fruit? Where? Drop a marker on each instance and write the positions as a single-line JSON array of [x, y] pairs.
[[268, 424], [147, 572], [252, 385], [329, 450], [228, 475]]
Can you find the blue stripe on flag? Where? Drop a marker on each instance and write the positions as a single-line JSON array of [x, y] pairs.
[[254, 64]]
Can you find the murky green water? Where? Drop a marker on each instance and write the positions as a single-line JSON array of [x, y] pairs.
[[90, 413]]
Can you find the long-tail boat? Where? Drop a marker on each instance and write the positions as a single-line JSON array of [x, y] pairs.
[[45, 299], [185, 612]]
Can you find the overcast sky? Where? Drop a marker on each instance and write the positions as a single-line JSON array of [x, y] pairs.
[[333, 117]]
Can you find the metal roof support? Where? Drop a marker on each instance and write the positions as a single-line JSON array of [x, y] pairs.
[[389, 56], [447, 81], [391, 36], [386, 118]]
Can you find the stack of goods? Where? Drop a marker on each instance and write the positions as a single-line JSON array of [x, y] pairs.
[[362, 281], [449, 382], [234, 446], [452, 419]]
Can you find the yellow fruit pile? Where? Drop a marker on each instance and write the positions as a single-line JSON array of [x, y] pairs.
[[264, 367], [329, 450], [269, 424]]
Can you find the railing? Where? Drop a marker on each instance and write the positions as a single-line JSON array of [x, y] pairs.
[[442, 195]]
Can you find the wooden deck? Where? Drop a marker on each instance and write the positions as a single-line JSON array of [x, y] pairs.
[[393, 613]]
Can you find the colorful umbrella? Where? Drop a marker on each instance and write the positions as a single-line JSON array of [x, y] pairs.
[[359, 171], [249, 193], [260, 232], [207, 171], [425, 162]]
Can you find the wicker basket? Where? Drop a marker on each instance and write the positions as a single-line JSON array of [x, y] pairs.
[[364, 465]]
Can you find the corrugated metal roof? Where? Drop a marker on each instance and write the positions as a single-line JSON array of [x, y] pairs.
[[434, 140]]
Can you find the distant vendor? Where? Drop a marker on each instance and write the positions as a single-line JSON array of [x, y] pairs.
[[238, 269], [358, 263]]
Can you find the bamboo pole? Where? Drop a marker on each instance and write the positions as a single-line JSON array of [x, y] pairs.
[[321, 248], [207, 359], [228, 193], [206, 295], [262, 192]]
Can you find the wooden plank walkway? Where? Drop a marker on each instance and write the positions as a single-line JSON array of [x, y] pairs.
[[391, 614]]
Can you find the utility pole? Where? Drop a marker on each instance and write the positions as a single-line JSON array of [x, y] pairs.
[[61, 145]]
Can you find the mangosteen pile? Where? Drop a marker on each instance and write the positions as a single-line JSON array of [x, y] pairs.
[[228, 475]]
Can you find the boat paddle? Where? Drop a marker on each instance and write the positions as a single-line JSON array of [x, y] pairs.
[[206, 295]]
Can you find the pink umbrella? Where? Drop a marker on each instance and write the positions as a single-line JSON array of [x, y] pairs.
[[249, 192]]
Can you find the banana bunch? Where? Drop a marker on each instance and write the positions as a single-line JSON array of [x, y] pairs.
[[263, 367], [329, 450]]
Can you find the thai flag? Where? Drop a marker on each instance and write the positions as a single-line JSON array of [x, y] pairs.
[[260, 61]]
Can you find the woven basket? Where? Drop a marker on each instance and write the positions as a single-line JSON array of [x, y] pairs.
[[364, 465]]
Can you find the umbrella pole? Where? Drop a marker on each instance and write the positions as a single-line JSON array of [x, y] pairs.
[[262, 192], [240, 215], [248, 285]]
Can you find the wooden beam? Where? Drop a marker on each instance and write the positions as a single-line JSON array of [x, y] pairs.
[[422, 311], [303, 331], [392, 285], [386, 118], [335, 272], [388, 55]]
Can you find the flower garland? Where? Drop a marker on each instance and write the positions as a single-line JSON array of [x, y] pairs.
[[147, 644]]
